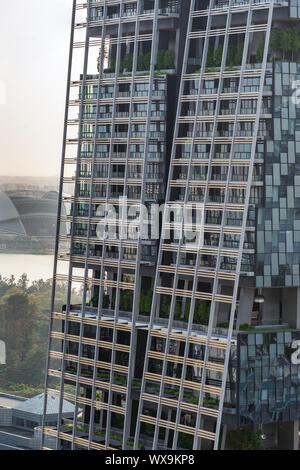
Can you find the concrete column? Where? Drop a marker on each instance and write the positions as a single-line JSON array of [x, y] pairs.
[[288, 435], [186, 285], [245, 306], [271, 306], [168, 430], [291, 306], [177, 46], [224, 435]]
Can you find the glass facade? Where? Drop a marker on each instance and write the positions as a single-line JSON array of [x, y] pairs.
[[268, 387], [278, 217]]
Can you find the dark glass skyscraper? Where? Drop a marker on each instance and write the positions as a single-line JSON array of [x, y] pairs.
[[181, 265]]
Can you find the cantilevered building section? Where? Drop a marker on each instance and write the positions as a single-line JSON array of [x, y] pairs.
[[166, 340]]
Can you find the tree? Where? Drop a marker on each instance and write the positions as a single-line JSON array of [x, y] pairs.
[[160, 61], [218, 56], [275, 43], [239, 53], [210, 57], [245, 439], [285, 41], [147, 61], [231, 55], [23, 282], [140, 62], [127, 63], [169, 60], [146, 302], [165, 306], [294, 42], [18, 324], [24, 325], [177, 310], [202, 311], [260, 52], [33, 366]]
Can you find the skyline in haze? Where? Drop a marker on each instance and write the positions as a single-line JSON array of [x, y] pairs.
[[33, 70]]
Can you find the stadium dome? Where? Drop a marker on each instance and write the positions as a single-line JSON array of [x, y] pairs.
[[31, 214]]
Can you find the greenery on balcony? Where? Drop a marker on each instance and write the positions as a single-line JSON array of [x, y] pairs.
[[189, 397], [146, 302], [185, 441], [126, 301], [143, 62], [165, 61], [111, 69], [286, 41], [201, 310], [113, 437], [234, 55]]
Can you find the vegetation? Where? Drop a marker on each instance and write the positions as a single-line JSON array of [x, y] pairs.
[[234, 55], [114, 437], [126, 301], [245, 439], [165, 61], [246, 327], [24, 323], [285, 40], [201, 310]]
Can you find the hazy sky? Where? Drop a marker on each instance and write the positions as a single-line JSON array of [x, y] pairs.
[[34, 43]]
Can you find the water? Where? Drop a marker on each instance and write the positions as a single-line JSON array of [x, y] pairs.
[[35, 266]]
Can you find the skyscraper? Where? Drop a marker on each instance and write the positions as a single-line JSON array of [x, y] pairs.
[[181, 264]]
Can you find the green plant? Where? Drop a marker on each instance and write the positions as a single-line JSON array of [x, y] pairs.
[[165, 306], [126, 63], [147, 61], [210, 61], [112, 67], [165, 59], [260, 52], [245, 439], [245, 327], [218, 56], [294, 41], [131, 443], [285, 40], [126, 301], [160, 59], [146, 302], [136, 383], [210, 401], [169, 59], [140, 62], [185, 440], [239, 53], [201, 312], [231, 55], [105, 303], [177, 310]]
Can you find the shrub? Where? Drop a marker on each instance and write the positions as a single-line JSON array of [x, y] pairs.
[[245, 439]]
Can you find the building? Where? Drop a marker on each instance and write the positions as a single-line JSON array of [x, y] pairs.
[[28, 220], [21, 421], [178, 343]]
